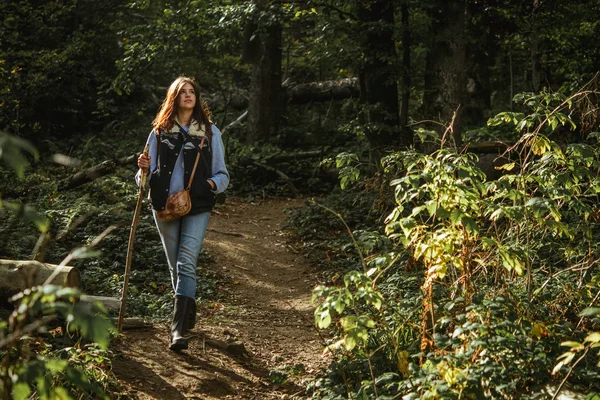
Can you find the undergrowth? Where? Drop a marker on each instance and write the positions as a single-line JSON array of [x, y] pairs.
[[469, 288]]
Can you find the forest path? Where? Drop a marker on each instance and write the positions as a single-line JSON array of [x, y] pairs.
[[260, 331]]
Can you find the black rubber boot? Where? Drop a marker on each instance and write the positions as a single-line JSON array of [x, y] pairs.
[[191, 320], [180, 322]]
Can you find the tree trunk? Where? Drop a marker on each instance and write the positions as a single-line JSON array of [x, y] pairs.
[[379, 90], [406, 71], [535, 54], [480, 54], [16, 276], [266, 100], [445, 77]]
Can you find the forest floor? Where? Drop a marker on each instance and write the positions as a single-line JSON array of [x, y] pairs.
[[258, 341]]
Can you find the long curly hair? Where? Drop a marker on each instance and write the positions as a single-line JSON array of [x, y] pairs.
[[165, 118]]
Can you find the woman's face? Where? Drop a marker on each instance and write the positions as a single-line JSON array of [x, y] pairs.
[[187, 97]]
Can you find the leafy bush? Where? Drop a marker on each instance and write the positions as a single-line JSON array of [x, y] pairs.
[[498, 271], [48, 369]]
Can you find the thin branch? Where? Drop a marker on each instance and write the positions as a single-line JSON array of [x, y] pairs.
[[591, 305], [16, 335], [237, 121], [576, 267], [360, 254], [569, 373], [70, 257]]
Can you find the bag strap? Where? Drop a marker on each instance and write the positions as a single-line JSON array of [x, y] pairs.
[[195, 164]]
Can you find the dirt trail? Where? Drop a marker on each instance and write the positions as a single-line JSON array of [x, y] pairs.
[[258, 342]]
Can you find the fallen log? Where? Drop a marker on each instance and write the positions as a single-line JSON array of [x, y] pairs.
[[299, 155], [134, 323], [110, 303], [129, 160], [301, 93], [112, 306], [487, 147], [16, 275], [284, 157], [322, 91], [88, 175]]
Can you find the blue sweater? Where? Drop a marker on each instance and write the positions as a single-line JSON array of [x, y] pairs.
[[220, 174]]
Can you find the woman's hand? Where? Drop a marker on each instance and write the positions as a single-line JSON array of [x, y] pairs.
[[144, 162]]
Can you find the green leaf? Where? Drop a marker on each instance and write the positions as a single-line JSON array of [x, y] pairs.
[[322, 319], [348, 322], [455, 216], [497, 214], [593, 337], [11, 151], [488, 242], [62, 393], [366, 321], [590, 311], [21, 391], [376, 300], [470, 225], [96, 328], [553, 122], [540, 145], [351, 340], [55, 365], [345, 159], [28, 214], [431, 207], [537, 202], [338, 306]]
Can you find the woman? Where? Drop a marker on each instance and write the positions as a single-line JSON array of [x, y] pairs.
[[181, 126]]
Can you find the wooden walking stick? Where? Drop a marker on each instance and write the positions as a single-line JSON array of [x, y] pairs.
[[136, 218]]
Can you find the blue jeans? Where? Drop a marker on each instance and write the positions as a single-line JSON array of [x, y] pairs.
[[182, 240]]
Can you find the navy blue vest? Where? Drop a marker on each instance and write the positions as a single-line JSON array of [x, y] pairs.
[[202, 197]]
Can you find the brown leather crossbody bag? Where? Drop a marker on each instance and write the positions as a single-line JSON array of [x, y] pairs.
[[180, 203]]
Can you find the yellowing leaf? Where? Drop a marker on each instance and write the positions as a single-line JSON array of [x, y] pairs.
[[506, 167], [575, 346], [593, 337], [540, 146], [402, 362], [538, 330]]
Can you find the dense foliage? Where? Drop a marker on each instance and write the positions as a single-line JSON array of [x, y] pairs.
[[508, 270]]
